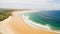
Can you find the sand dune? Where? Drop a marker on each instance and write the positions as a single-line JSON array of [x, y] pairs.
[[16, 25]]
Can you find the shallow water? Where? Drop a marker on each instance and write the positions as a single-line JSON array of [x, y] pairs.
[[50, 17]]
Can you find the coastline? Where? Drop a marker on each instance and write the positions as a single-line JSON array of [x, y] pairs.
[[17, 25], [38, 26]]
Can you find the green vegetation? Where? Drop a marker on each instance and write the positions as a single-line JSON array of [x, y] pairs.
[[4, 14]]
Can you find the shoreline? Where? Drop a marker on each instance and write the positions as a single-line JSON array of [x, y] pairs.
[[38, 26], [17, 25]]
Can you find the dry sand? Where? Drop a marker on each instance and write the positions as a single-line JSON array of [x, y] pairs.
[[16, 25]]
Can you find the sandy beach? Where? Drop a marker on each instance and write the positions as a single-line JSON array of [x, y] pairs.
[[16, 25]]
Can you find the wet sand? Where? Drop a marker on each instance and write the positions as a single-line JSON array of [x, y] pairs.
[[16, 25]]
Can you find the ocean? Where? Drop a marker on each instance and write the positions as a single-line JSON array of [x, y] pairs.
[[50, 17]]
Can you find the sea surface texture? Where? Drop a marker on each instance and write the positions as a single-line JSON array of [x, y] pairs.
[[50, 17]]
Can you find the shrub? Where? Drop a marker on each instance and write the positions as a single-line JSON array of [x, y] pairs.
[[4, 14]]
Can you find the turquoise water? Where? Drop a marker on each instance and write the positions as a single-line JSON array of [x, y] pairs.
[[50, 17]]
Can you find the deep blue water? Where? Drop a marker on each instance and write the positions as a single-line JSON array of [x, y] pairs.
[[50, 17]]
